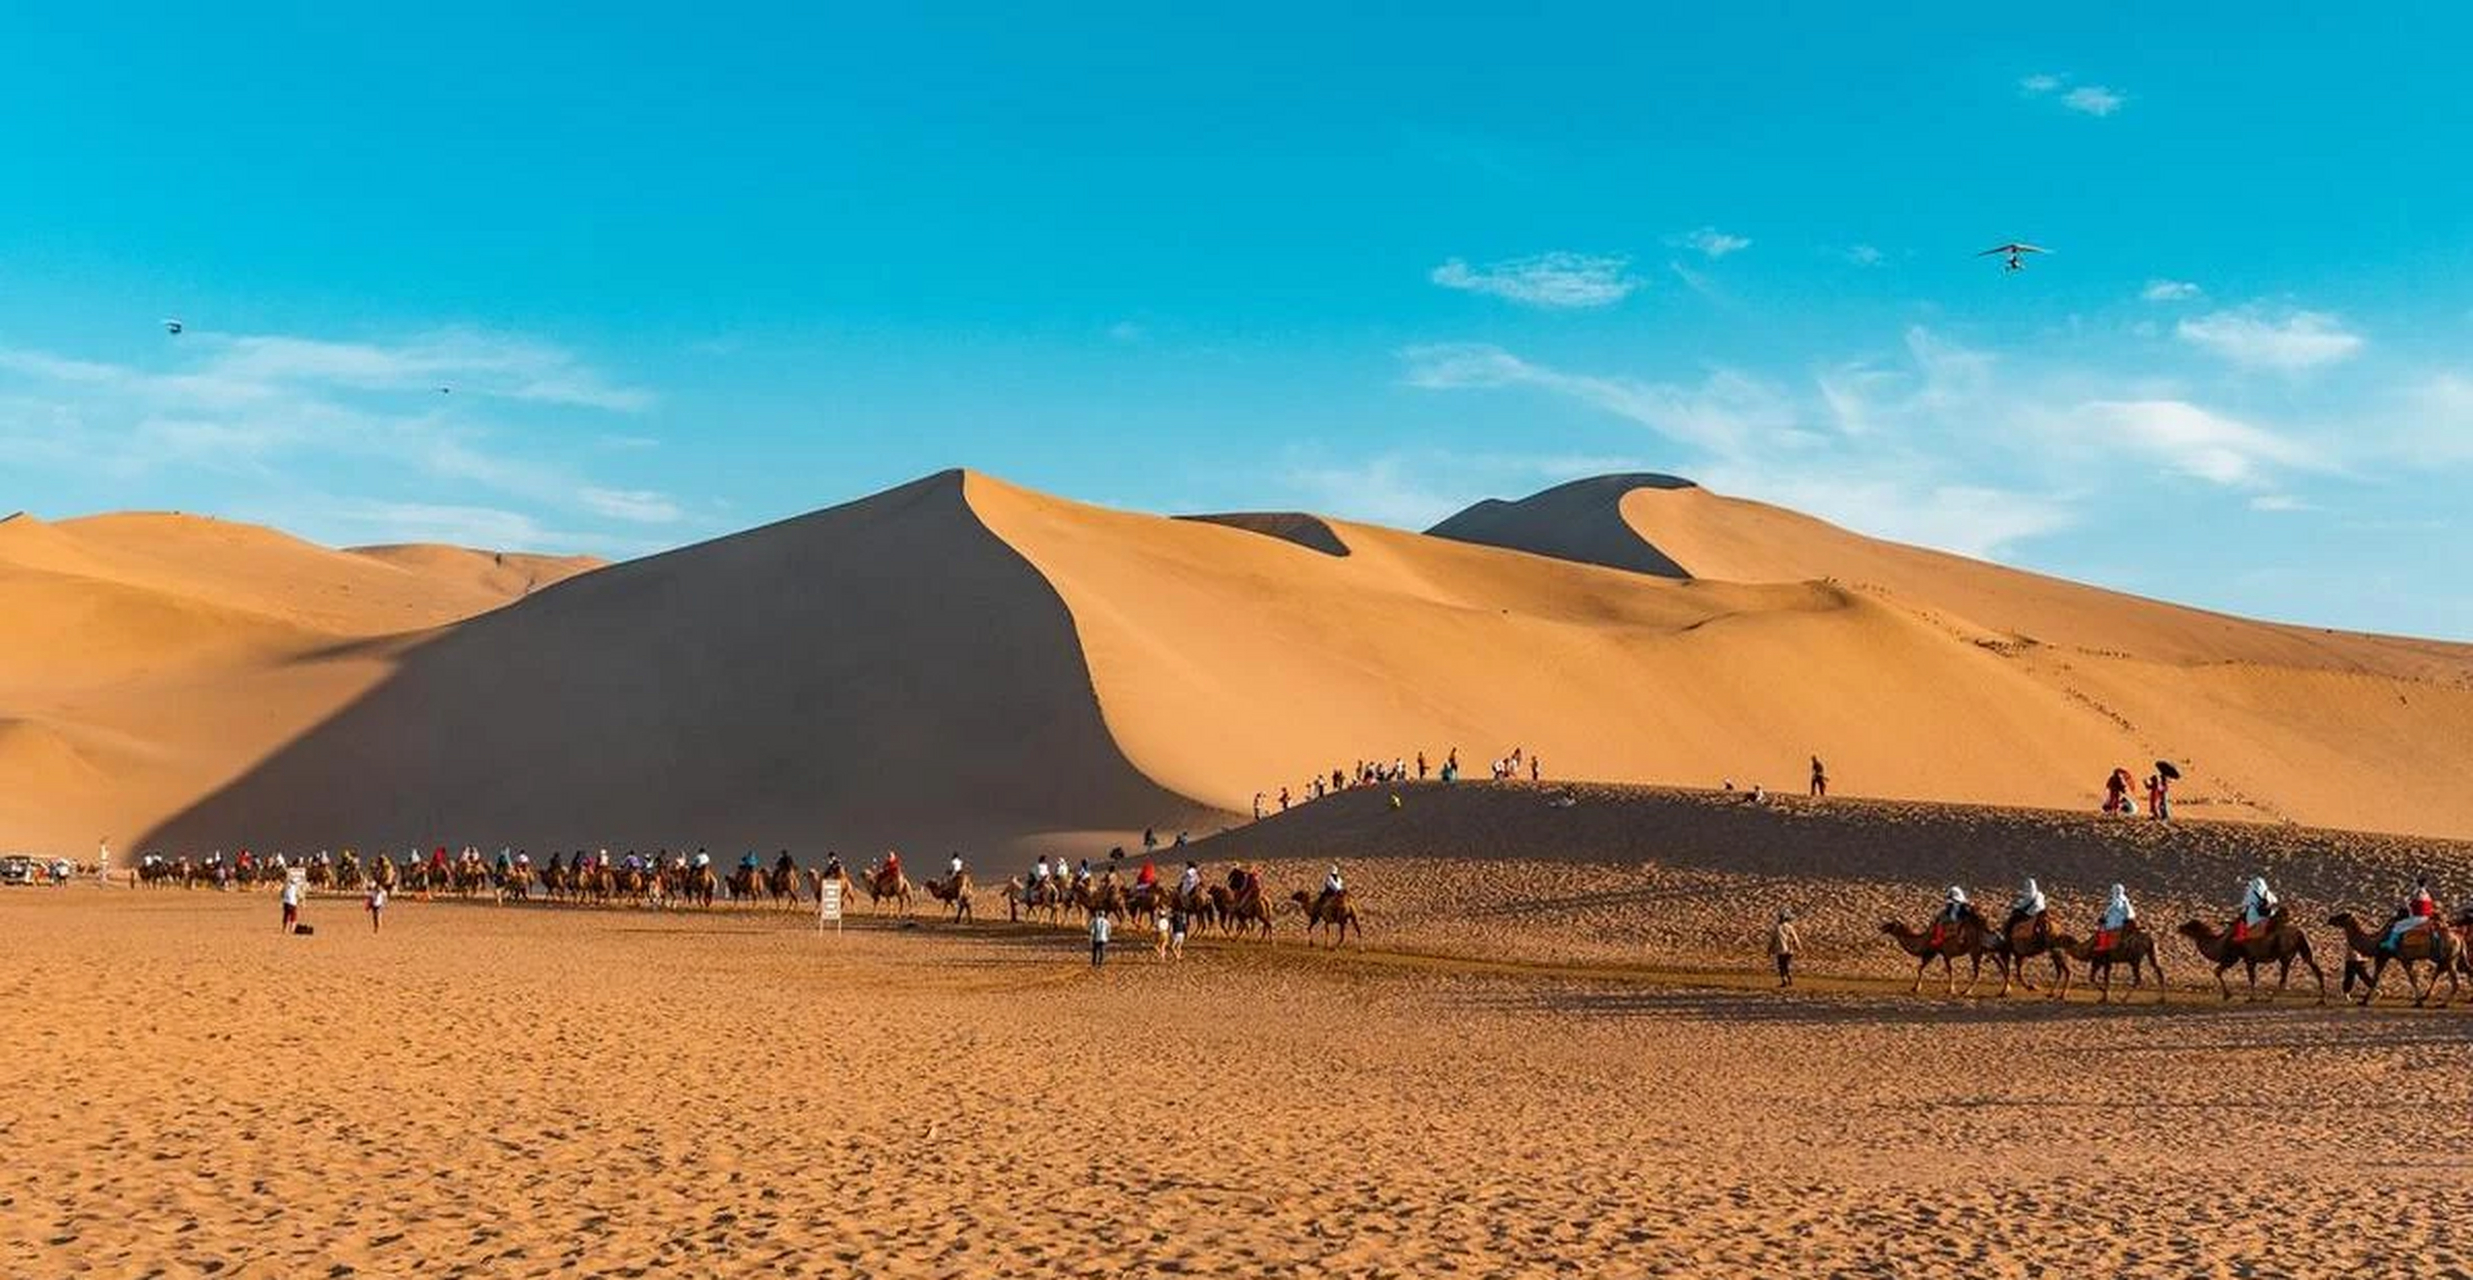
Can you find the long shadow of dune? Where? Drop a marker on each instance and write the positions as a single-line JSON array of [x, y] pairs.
[[888, 672]]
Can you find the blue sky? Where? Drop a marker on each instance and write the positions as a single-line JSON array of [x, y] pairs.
[[686, 271]]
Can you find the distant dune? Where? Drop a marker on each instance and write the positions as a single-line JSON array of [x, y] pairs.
[[960, 662]]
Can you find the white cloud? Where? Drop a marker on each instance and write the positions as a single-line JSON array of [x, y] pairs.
[[1710, 242], [2087, 99], [1864, 255], [2293, 342], [295, 414], [2196, 441], [2092, 99], [1727, 411], [1127, 331], [642, 506], [2279, 502], [1553, 280], [2170, 291], [473, 362]]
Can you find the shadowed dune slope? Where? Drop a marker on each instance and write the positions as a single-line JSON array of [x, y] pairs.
[[1581, 520], [1306, 531], [884, 672]]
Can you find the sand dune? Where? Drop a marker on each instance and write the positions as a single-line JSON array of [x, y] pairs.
[[964, 661], [877, 673], [152, 657]]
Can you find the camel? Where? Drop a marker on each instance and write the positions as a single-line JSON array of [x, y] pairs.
[[1241, 905], [2030, 938], [1969, 938], [700, 886], [885, 882], [2437, 945], [954, 891], [1330, 909], [2280, 943], [2133, 947], [781, 884]]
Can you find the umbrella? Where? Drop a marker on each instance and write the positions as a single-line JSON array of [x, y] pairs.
[[2165, 768]]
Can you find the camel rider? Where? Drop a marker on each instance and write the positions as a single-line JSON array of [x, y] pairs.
[[833, 865], [1039, 871], [2258, 906], [523, 859], [748, 861], [892, 865], [2419, 910], [703, 859], [2119, 917], [506, 859], [953, 869], [1954, 911], [1082, 873], [2029, 905], [1147, 876], [1189, 882], [1332, 883]]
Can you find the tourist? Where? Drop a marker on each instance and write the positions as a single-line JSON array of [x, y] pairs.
[[2118, 916], [291, 904], [1178, 922], [1257, 806], [1421, 769], [1159, 925], [2029, 905], [1189, 882], [377, 905], [1099, 938], [1783, 943], [1536, 770], [2117, 792], [1283, 799], [2258, 907], [1820, 779], [2419, 909]]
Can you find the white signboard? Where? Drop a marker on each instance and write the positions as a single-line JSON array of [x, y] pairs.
[[829, 905]]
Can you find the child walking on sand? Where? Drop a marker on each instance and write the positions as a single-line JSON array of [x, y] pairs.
[[1099, 938], [1783, 943], [377, 904]]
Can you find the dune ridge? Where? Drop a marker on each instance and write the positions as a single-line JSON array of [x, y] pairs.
[[960, 661]]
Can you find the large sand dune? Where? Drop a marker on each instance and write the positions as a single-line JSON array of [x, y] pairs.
[[963, 662]]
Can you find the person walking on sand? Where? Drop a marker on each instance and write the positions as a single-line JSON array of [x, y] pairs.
[[1159, 925], [377, 905], [1178, 923], [1536, 770], [1784, 942], [1820, 778], [291, 904], [1099, 938]]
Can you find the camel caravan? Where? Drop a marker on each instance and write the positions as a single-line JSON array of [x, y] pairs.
[[2261, 933], [1240, 906]]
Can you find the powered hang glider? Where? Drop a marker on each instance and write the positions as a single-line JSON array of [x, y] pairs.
[[172, 326], [2016, 254]]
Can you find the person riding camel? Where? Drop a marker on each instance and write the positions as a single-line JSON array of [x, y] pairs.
[[2420, 909], [2119, 918], [1955, 911], [891, 871], [438, 858], [2029, 905], [1082, 873], [1147, 876], [2258, 907], [833, 865], [953, 869], [748, 861], [1189, 882], [1333, 885]]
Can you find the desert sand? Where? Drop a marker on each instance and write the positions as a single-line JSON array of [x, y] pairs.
[[509, 1091], [960, 662]]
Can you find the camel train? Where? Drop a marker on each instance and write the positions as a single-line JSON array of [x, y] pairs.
[[2444, 946], [1241, 906]]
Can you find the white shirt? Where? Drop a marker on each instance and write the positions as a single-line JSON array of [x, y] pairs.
[[1099, 928], [291, 894]]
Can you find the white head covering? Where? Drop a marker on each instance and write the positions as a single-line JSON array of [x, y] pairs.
[[1956, 894], [2030, 890]]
